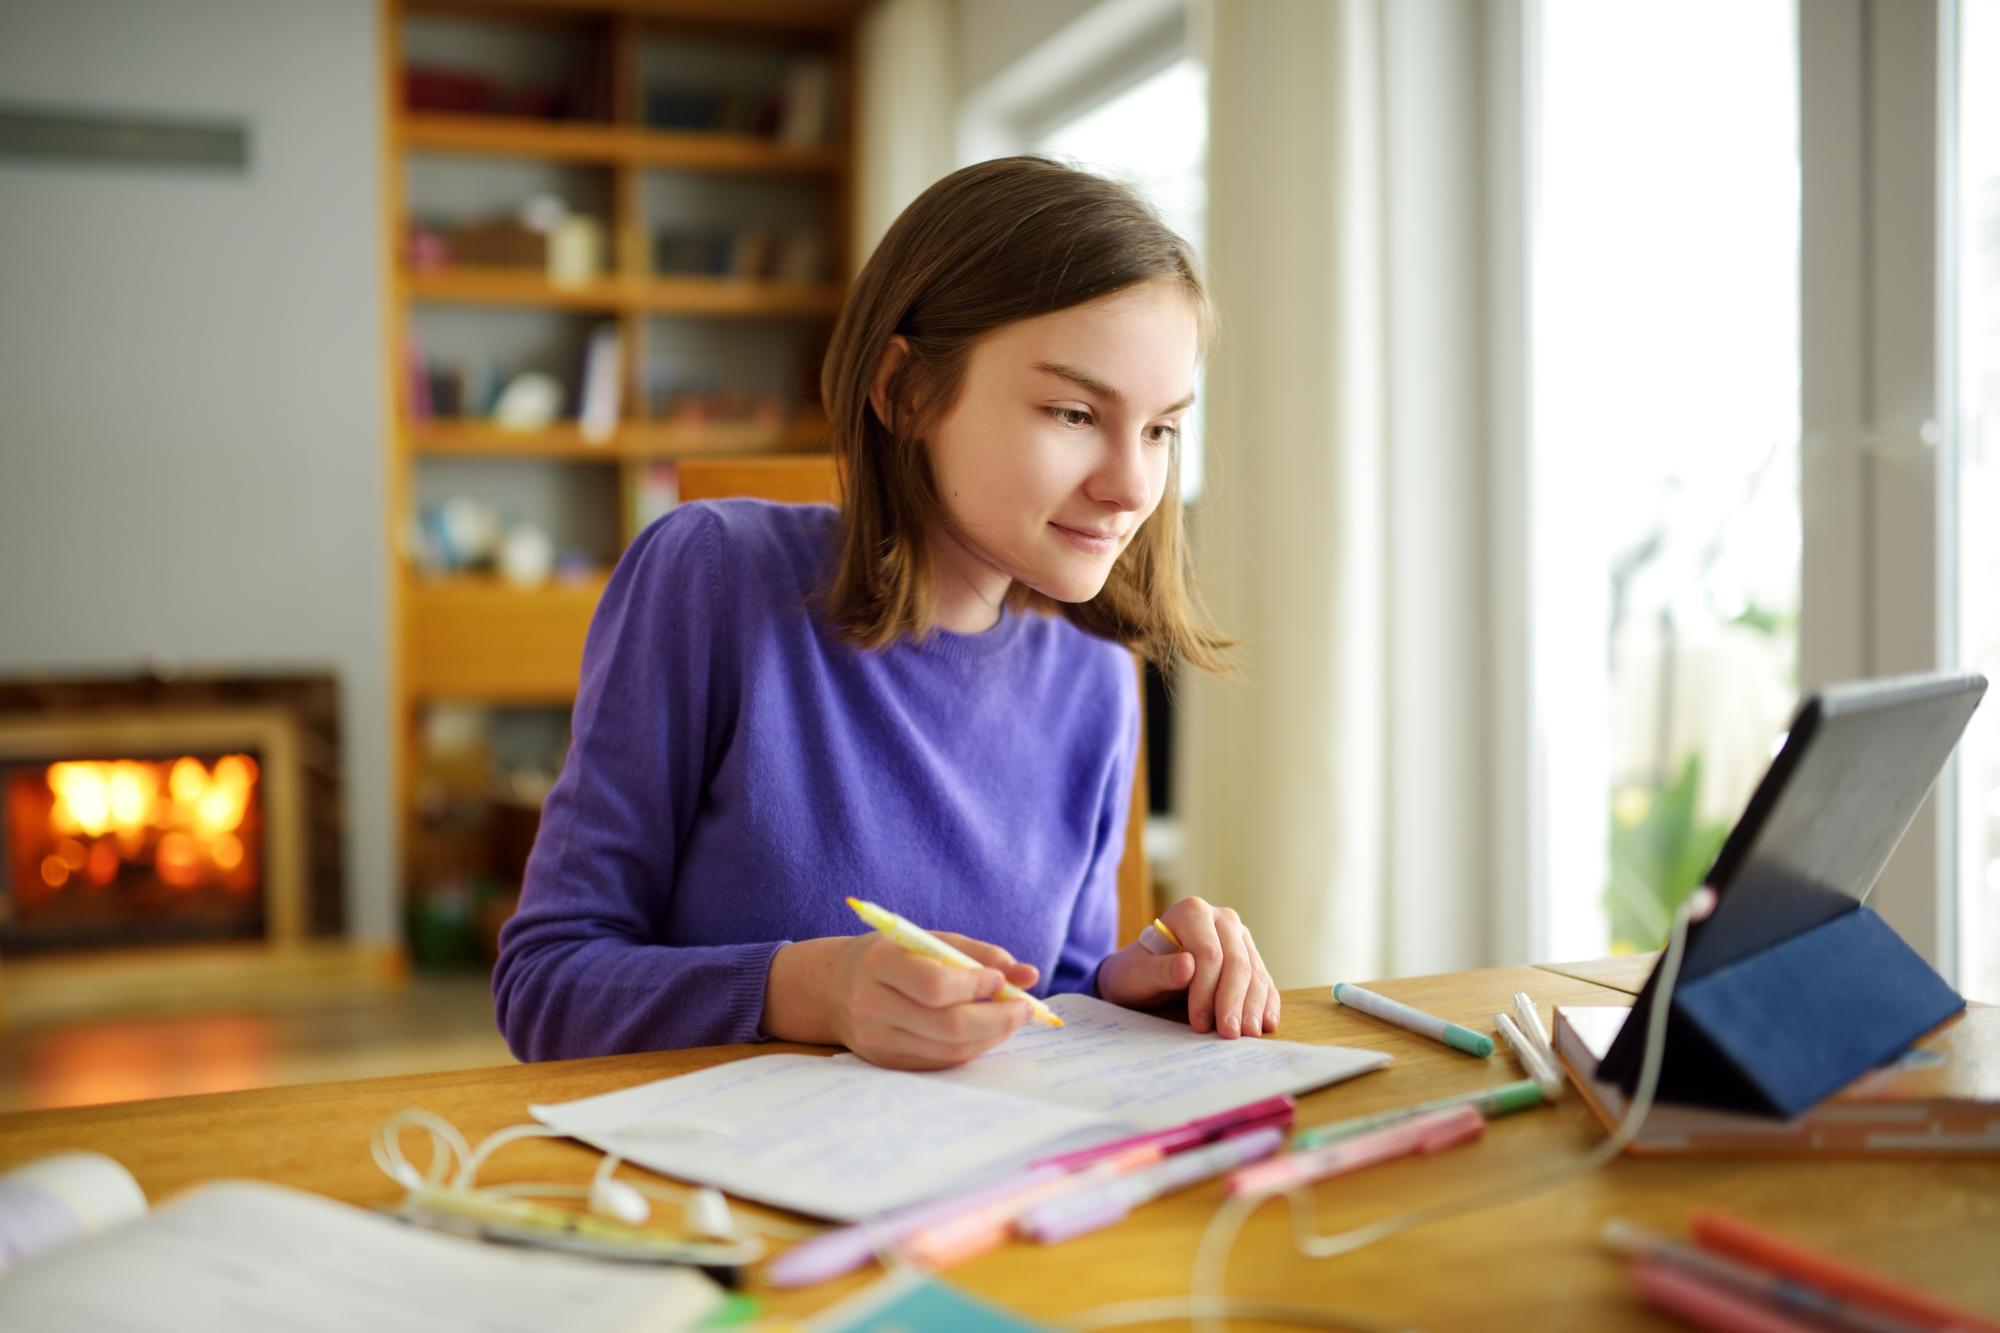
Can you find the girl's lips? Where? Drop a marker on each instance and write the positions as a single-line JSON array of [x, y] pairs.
[[1087, 541]]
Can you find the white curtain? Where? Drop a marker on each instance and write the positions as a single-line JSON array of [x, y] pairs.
[[1338, 794], [907, 106]]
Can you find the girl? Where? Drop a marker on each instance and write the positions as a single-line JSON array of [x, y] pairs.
[[924, 699]]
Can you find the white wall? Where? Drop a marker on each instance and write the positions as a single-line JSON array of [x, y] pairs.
[[994, 34], [190, 446]]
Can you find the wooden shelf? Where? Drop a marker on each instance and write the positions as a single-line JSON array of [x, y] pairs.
[[478, 438], [480, 640], [574, 141], [729, 297], [804, 16], [736, 296]]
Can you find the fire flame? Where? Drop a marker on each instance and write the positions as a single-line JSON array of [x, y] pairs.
[[107, 811]]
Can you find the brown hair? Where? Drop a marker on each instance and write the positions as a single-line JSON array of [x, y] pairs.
[[990, 244]]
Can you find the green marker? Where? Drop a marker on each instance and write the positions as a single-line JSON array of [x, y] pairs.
[[1416, 1020], [737, 1308], [1490, 1101]]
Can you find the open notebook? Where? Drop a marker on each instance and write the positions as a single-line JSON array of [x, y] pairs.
[[242, 1256], [840, 1138]]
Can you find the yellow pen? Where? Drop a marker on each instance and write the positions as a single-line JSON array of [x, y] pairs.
[[921, 942]]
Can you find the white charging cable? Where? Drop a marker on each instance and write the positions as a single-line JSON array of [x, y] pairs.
[[454, 1168], [1207, 1302]]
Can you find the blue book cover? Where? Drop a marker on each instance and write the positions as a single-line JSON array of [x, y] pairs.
[[909, 1301]]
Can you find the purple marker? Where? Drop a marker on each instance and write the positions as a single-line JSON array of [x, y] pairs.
[[829, 1255], [1087, 1210]]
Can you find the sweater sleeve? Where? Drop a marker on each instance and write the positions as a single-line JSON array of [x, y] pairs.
[[582, 970], [1093, 923]]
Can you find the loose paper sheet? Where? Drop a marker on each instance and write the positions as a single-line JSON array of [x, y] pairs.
[[841, 1138], [1147, 1071], [833, 1138]]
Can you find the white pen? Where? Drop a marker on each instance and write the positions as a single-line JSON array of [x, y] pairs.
[[1530, 1019], [1532, 1060]]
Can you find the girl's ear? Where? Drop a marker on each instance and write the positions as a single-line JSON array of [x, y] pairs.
[[893, 356]]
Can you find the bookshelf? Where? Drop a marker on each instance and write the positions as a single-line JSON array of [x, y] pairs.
[[663, 129]]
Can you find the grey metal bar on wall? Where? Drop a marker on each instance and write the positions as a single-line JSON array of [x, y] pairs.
[[62, 135]]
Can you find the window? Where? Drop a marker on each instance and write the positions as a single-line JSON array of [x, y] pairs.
[[1664, 522], [1973, 343], [1153, 136]]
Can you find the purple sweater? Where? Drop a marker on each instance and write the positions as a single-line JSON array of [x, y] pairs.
[[735, 771]]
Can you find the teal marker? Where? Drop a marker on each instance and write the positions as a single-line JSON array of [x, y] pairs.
[[1416, 1020], [1491, 1102]]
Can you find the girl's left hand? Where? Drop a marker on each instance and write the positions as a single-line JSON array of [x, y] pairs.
[[1228, 988]]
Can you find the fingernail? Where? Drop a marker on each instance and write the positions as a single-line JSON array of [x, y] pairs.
[[1230, 1028]]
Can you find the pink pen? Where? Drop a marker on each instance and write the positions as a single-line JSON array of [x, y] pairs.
[[971, 1234], [1419, 1134], [844, 1249], [1243, 1119], [1705, 1305]]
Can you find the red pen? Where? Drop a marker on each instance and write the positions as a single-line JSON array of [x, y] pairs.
[[1724, 1234], [1272, 1111]]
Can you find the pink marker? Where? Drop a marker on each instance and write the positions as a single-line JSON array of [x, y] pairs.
[[1419, 1134], [1251, 1116]]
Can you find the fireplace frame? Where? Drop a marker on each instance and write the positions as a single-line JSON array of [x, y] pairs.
[[271, 732]]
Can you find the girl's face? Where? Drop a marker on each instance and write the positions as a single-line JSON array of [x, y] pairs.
[[1057, 448]]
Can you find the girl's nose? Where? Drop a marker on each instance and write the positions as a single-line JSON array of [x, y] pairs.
[[1121, 479]]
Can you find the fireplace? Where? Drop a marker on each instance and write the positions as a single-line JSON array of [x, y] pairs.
[[171, 839], [133, 830]]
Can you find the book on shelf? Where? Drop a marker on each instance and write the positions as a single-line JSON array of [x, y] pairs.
[[83, 1251], [807, 102], [582, 94], [655, 490], [416, 377], [1942, 1097]]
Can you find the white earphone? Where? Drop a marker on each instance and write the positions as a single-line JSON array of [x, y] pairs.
[[454, 1168]]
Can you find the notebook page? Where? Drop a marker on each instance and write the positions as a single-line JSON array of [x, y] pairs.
[[242, 1255], [55, 1201], [835, 1138], [1147, 1071]]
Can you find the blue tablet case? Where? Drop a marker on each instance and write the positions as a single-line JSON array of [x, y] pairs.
[[1792, 988]]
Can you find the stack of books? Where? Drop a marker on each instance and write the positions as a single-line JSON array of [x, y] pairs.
[[798, 112]]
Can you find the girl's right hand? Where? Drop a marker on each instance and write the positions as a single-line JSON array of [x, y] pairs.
[[903, 1011]]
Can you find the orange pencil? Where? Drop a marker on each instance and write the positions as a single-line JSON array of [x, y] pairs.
[[1838, 1277]]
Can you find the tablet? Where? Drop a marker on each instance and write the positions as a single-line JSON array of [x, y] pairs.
[[1849, 778]]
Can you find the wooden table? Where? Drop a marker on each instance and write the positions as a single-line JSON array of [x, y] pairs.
[[1534, 1264]]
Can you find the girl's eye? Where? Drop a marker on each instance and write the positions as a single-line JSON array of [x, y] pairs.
[[1076, 418]]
